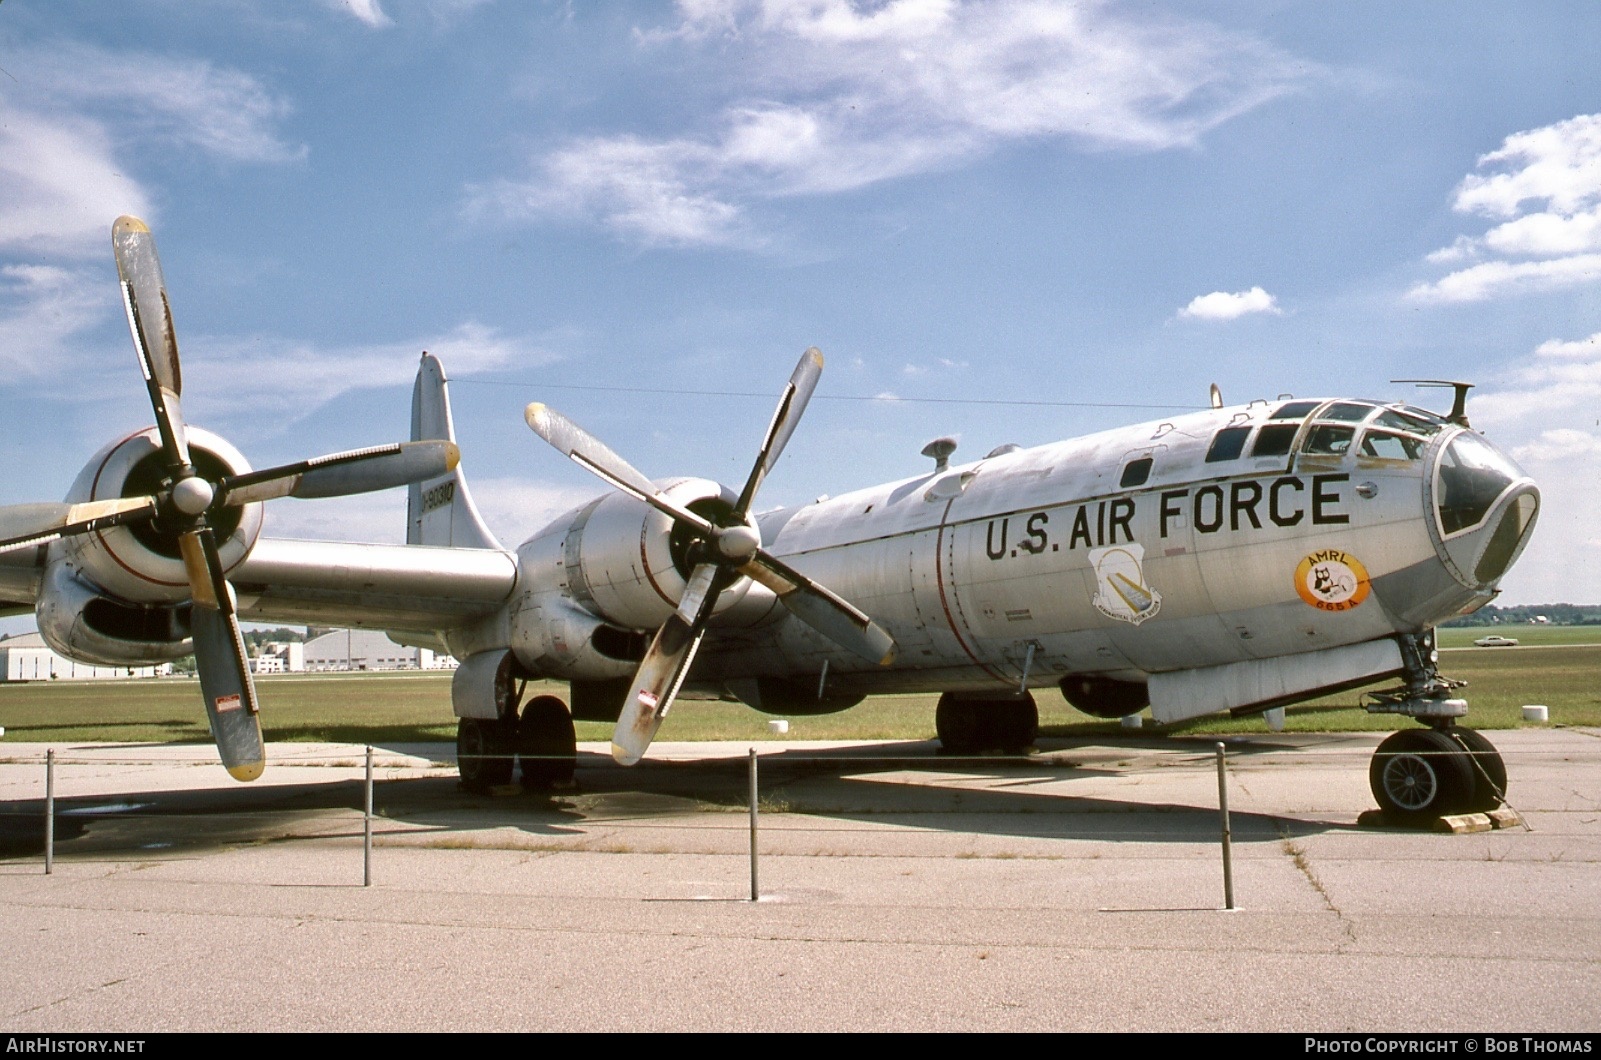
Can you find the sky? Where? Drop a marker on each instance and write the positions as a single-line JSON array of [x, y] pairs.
[[1007, 221]]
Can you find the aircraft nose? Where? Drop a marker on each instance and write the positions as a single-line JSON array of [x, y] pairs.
[[1484, 506]]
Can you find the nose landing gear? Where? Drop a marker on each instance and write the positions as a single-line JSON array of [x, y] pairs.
[[1418, 775]]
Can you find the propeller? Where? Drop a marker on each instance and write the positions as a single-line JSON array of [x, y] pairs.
[[722, 551], [186, 502]]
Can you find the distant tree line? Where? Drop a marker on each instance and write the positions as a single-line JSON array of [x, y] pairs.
[[1524, 614]]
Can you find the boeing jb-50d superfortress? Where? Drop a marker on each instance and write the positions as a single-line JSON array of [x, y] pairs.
[[1234, 559]]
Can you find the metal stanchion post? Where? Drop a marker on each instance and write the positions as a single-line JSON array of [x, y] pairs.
[[366, 848], [755, 892], [1223, 813], [49, 811]]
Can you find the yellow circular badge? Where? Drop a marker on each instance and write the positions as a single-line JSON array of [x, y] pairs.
[[1332, 580]]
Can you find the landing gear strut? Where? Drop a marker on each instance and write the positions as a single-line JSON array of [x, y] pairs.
[[969, 725], [1421, 774]]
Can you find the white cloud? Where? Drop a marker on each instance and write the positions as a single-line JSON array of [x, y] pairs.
[[62, 185], [220, 111], [1547, 194], [826, 96], [43, 311], [512, 508], [1546, 412], [368, 12], [231, 374], [1492, 278], [64, 156], [1560, 378], [1221, 305]]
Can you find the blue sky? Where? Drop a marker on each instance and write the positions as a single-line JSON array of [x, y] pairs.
[[1008, 221]]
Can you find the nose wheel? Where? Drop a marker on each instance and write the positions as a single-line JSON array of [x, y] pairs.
[[1418, 775]]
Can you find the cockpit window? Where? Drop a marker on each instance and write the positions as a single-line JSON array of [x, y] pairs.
[[1228, 445], [1294, 410], [1327, 439], [1472, 476], [1405, 421], [1425, 415], [1275, 439], [1382, 445], [1347, 411]]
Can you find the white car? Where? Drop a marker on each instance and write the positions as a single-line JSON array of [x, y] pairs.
[[1496, 641]]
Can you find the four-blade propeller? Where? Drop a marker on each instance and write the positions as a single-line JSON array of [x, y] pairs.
[[186, 502], [723, 550]]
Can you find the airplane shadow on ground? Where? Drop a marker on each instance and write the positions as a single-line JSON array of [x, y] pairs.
[[895, 784]]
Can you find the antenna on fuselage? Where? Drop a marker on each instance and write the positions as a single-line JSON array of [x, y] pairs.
[[1459, 404], [940, 449], [1217, 397]]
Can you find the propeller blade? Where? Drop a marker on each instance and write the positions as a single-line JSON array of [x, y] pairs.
[[379, 467], [590, 453], [822, 609], [28, 525], [797, 392], [664, 667], [144, 297], [220, 657], [228, 691]]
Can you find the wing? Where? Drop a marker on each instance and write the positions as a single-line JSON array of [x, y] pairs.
[[402, 588]]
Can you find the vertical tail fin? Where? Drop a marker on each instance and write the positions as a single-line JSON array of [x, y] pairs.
[[440, 511]]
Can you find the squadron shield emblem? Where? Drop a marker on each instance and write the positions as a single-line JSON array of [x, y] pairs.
[[1121, 591], [1332, 580]]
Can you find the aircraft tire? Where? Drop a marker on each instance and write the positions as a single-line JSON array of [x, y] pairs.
[[1418, 775], [1018, 723], [483, 754], [1489, 770], [546, 744], [959, 724]]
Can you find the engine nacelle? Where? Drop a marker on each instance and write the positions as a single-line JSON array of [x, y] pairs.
[[141, 564], [79, 621], [626, 563]]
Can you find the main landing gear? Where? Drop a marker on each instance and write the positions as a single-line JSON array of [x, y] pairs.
[[971, 725], [1418, 775], [541, 740]]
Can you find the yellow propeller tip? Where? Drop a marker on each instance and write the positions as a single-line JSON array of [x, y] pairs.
[[452, 456], [247, 771], [534, 413], [623, 756], [129, 223]]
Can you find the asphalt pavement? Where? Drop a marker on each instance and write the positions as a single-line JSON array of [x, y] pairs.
[[1080, 888]]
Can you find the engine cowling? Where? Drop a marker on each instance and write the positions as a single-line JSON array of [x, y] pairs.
[[141, 564], [121, 595], [626, 563], [597, 583]]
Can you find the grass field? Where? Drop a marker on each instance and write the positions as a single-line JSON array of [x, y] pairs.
[[1556, 666]]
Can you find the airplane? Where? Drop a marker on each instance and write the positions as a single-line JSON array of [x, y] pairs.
[[1232, 559]]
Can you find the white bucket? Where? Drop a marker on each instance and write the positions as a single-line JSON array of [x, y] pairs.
[[1538, 713]]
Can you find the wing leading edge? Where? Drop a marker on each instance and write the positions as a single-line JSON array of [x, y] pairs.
[[404, 588]]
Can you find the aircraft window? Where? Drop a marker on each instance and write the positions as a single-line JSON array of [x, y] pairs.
[[1328, 440], [1387, 446], [1275, 439], [1294, 410], [1228, 445], [1347, 412], [1136, 473], [1473, 475], [1401, 421], [1425, 415]]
